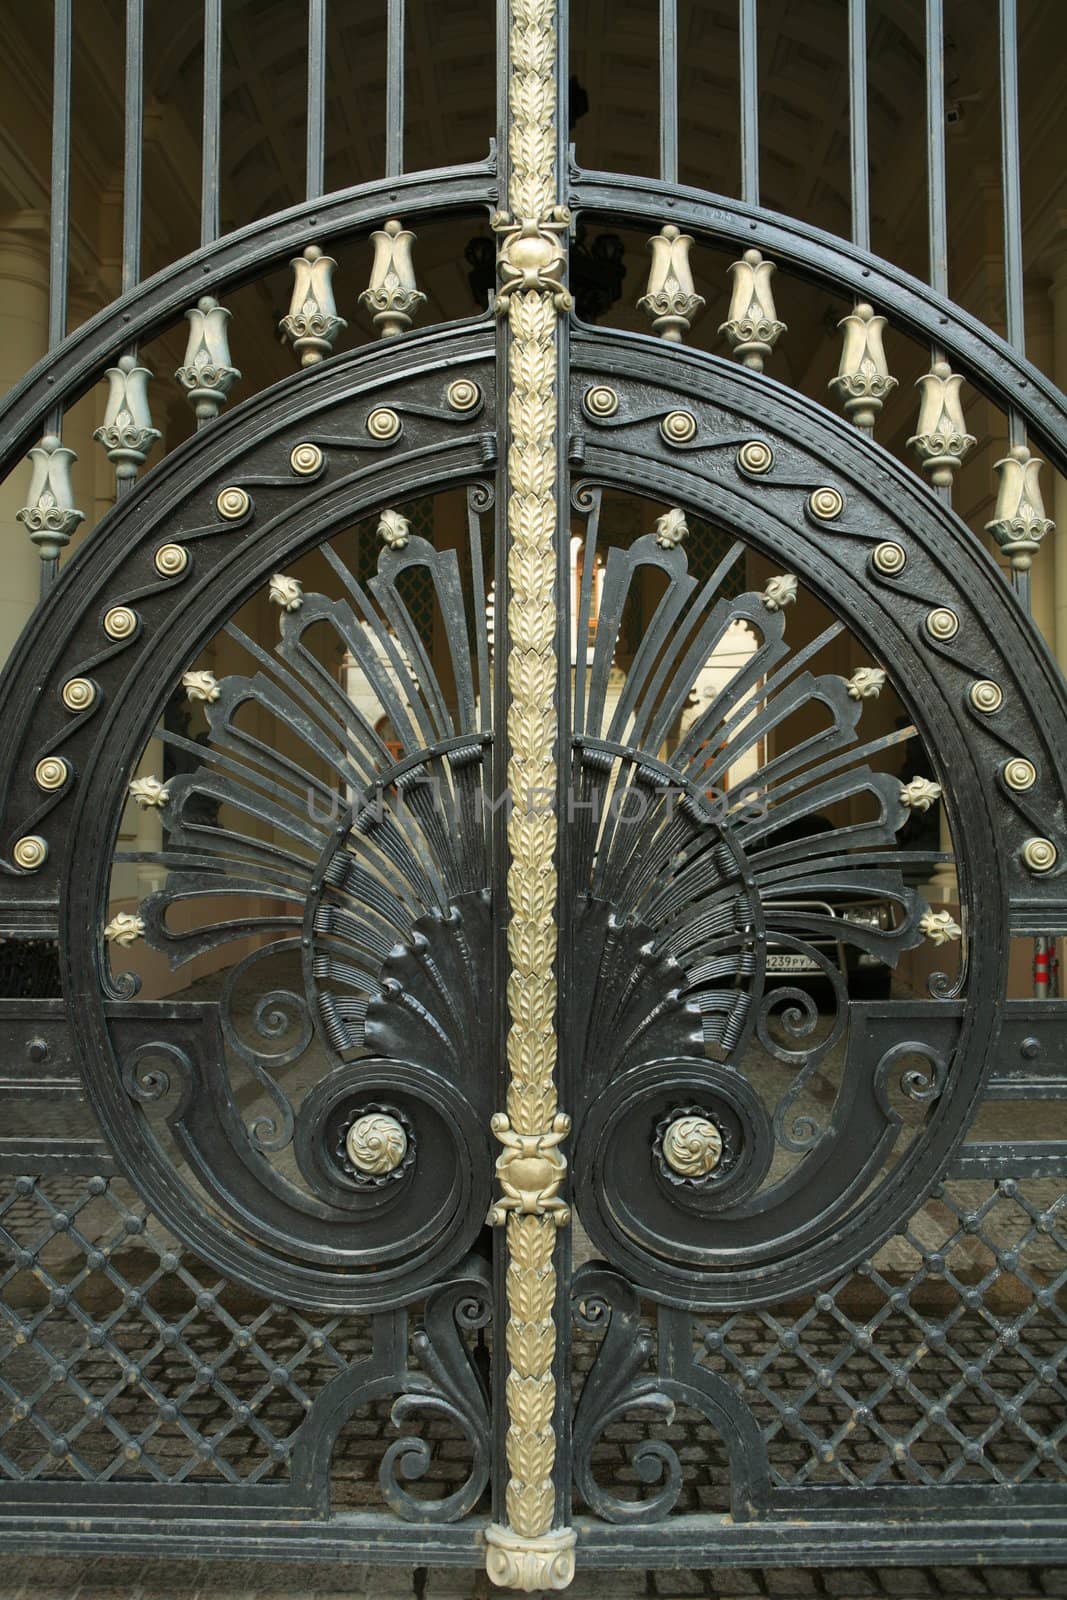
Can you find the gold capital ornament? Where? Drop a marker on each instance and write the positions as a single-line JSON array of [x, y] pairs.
[[529, 1552]]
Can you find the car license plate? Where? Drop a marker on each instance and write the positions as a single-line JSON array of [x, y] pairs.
[[790, 963]]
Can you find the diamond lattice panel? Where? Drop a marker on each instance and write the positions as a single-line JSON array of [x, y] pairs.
[[938, 1362], [124, 1356]]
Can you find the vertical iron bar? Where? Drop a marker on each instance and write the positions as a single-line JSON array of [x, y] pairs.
[[668, 90], [59, 216], [1015, 327], [1012, 203], [858, 131], [316, 70], [499, 763], [132, 166], [936, 194], [59, 221], [1009, 161], [132, 158], [749, 102], [937, 203], [394, 90], [209, 185], [564, 1254]]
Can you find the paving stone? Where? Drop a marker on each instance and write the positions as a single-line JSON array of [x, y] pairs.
[[788, 1582], [320, 1594], [848, 1583], [110, 1591], [909, 1582], [455, 1583], [627, 1583], [49, 1591], [53, 1572], [183, 1578], [130, 1579], [676, 1582], [1014, 1582], [734, 1581], [959, 1580], [213, 1592], [106, 1571]]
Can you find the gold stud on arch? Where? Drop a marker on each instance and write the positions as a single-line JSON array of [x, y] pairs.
[[78, 694], [986, 696], [383, 423], [232, 503], [826, 504], [463, 394], [755, 457], [678, 427], [889, 558], [30, 852], [1019, 774], [1040, 855], [941, 623], [120, 622], [305, 459], [171, 560], [601, 400], [51, 773]]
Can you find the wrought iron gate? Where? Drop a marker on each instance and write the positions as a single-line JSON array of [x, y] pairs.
[[527, 1069]]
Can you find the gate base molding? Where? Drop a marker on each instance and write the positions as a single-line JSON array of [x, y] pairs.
[[543, 1562]]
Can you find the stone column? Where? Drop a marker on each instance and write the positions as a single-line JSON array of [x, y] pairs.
[[23, 341]]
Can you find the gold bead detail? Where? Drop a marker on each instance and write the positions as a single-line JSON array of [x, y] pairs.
[[463, 394], [376, 1144], [1040, 855], [601, 400], [889, 558], [678, 427], [51, 773], [941, 623], [120, 622], [232, 503], [692, 1146], [986, 696], [755, 457], [78, 694], [30, 852], [1019, 773], [305, 460], [826, 504], [383, 423], [171, 559]]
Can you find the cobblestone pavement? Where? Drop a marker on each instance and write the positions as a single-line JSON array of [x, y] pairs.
[[116, 1579]]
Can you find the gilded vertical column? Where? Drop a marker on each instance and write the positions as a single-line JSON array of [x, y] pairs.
[[528, 1552]]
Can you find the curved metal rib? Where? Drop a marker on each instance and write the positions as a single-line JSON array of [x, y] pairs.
[[988, 360]]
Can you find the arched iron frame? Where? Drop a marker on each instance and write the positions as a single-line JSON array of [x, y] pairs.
[[243, 1523]]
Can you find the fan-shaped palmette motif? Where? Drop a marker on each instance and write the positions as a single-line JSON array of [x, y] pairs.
[[328, 833], [700, 879], [369, 854]]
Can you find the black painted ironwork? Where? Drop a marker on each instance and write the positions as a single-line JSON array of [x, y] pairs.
[[211, 154], [859, 150], [800, 1240]]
